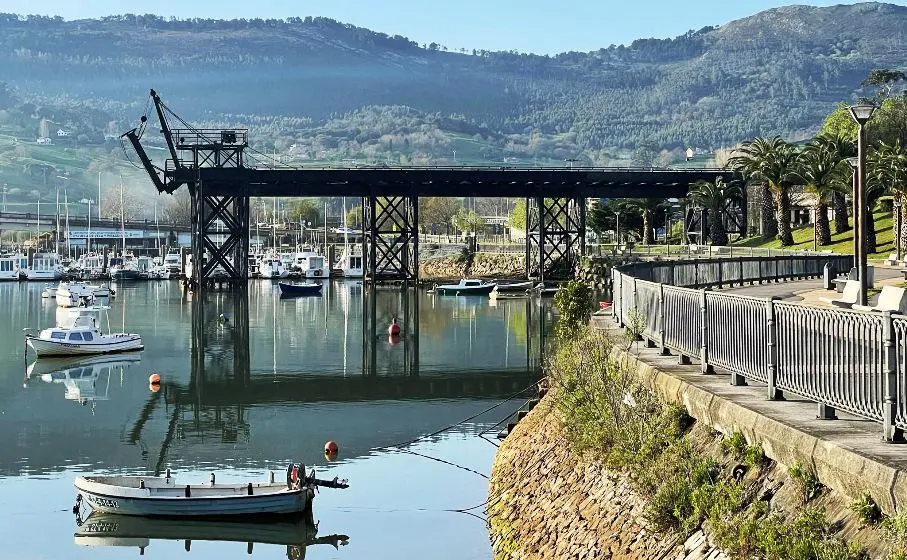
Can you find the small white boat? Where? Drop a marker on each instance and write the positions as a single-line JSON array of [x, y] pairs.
[[349, 265], [49, 292], [513, 287], [273, 268], [164, 497], [466, 288], [81, 338], [312, 265]]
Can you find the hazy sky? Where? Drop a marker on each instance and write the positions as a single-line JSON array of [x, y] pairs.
[[541, 26]]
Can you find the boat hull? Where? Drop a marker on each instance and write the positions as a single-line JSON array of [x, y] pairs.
[[45, 348], [467, 291], [299, 290], [107, 498]]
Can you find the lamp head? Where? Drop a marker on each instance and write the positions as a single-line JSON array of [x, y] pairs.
[[854, 162], [862, 112]]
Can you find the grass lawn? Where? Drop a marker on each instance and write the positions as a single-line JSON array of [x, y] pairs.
[[840, 243]]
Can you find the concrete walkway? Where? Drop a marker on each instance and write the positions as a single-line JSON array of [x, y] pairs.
[[848, 453], [810, 291]]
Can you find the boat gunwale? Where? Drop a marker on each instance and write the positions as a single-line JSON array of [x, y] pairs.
[[280, 491]]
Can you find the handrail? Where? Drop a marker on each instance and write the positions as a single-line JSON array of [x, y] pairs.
[[842, 360]]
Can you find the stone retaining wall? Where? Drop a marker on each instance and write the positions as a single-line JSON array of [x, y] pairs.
[[484, 265], [546, 502]]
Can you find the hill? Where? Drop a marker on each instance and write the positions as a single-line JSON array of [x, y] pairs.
[[316, 89]]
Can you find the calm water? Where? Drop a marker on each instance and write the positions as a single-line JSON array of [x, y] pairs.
[[242, 398]]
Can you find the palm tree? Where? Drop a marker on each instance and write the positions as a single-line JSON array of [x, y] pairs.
[[714, 197], [771, 162], [647, 207], [888, 169], [823, 173], [844, 148]]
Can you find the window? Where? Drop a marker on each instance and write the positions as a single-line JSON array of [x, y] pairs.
[[57, 335], [75, 336], [87, 336]]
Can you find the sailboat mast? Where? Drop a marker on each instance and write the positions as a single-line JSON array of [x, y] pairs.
[[68, 240], [123, 214], [57, 236]]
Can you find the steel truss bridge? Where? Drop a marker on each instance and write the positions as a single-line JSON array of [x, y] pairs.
[[212, 165]]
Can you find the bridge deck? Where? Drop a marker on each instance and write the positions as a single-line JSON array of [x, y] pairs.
[[452, 181]]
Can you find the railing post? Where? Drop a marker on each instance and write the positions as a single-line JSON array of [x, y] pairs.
[[741, 271], [617, 296], [771, 334], [719, 264], [703, 335], [696, 273], [889, 413], [661, 320]]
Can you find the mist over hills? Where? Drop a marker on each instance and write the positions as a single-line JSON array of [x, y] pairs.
[[319, 89]]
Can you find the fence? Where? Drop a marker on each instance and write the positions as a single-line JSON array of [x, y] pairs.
[[843, 360]]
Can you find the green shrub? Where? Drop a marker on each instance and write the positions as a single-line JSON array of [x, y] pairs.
[[806, 479], [736, 446], [894, 531], [574, 300], [867, 510]]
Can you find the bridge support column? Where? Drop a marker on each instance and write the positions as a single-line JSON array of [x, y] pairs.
[[555, 237], [391, 240], [379, 308], [220, 237]]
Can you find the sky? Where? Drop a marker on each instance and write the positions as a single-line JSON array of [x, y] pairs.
[[539, 26]]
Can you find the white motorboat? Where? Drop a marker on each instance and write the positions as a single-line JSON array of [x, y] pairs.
[[159, 272], [163, 497], [44, 266], [81, 337], [273, 268], [466, 287], [173, 261], [312, 265], [9, 267], [350, 264]]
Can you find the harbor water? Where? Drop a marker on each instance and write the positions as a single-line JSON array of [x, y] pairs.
[[252, 382]]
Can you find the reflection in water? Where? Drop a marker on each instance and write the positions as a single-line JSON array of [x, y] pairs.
[[80, 376], [104, 529], [251, 383]]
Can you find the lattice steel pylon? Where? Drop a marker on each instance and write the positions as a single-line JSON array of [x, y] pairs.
[[555, 237], [391, 240]]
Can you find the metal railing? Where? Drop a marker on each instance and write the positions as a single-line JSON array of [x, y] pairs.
[[843, 360]]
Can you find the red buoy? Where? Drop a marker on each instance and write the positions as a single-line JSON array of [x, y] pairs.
[[393, 329], [154, 378], [331, 447]]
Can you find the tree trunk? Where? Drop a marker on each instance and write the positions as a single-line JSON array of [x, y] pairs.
[[871, 241], [840, 206], [769, 226], [646, 227], [823, 229], [717, 233], [782, 217]]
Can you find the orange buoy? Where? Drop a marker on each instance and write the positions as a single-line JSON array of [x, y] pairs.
[[154, 379], [393, 328], [154, 387], [331, 447]]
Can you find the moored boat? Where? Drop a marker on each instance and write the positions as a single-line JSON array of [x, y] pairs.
[[163, 497], [304, 289], [514, 287], [466, 287], [81, 337]]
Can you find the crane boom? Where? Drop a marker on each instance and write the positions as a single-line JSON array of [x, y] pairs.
[[165, 130], [133, 138]]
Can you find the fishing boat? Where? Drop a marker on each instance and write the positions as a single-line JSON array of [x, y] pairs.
[[312, 265], [304, 289], [349, 265], [124, 268], [466, 288], [106, 529], [173, 261], [81, 337], [164, 497]]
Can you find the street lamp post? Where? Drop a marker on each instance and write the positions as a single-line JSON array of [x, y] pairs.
[[861, 113], [897, 236], [617, 229]]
